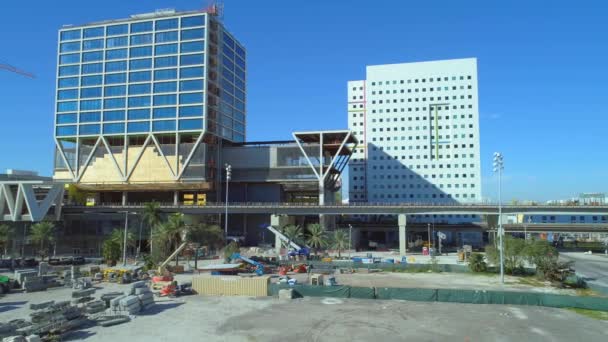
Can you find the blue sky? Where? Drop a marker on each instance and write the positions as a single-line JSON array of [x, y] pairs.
[[542, 74]]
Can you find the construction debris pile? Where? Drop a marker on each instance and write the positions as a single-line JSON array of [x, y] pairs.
[[51, 319]]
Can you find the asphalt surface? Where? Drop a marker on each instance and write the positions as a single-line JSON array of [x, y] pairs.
[[592, 267]]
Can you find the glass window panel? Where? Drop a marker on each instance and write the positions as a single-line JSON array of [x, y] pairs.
[[166, 24], [114, 103], [165, 125], [116, 42], [66, 118], [113, 115], [116, 78], [191, 124], [240, 62], [166, 112], [137, 64], [140, 76], [193, 34], [89, 129], [228, 52], [143, 88], [70, 106], [91, 80], [227, 63], [138, 114], [197, 46], [191, 98], [163, 62], [90, 117], [198, 58], [117, 54], [115, 30], [165, 74], [116, 66], [143, 51], [239, 95], [93, 32], [134, 127], [114, 128], [240, 51], [240, 73], [141, 39], [67, 94], [92, 44], [191, 85], [166, 49], [90, 92], [69, 59], [141, 27], [163, 100], [65, 130], [70, 35], [90, 104], [115, 91], [69, 70], [163, 37], [198, 20], [192, 72], [228, 40], [92, 56], [227, 74], [69, 47], [240, 84], [164, 87], [93, 68], [239, 105], [68, 82], [190, 111], [140, 101]]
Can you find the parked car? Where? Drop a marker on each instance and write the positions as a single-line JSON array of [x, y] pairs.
[[78, 260], [54, 261]]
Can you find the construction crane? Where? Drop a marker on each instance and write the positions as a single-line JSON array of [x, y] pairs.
[[15, 70]]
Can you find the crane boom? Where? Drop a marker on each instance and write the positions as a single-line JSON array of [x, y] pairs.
[[15, 70]]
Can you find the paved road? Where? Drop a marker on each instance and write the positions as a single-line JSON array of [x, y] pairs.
[[594, 267]]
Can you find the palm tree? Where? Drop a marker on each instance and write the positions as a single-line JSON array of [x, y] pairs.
[[340, 240], [118, 237], [43, 232], [292, 232], [172, 232], [317, 236], [6, 234], [211, 235], [152, 216]]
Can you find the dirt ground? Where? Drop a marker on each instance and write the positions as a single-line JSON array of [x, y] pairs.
[[195, 318]]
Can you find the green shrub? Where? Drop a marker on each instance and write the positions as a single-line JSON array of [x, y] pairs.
[[477, 262]]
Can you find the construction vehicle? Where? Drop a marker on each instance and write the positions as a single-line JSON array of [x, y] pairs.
[[6, 284], [296, 249], [259, 268]]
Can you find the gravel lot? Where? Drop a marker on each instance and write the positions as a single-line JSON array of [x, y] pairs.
[[317, 319]]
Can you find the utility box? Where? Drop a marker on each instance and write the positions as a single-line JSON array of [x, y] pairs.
[[316, 279]]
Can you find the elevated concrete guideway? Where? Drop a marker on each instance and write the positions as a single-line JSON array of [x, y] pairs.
[[356, 209]]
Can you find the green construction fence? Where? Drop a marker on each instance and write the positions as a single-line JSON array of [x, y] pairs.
[[447, 295]]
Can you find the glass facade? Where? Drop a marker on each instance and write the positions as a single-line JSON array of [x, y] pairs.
[[150, 75]]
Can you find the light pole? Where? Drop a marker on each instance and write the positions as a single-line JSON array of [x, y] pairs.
[[228, 176], [124, 246], [350, 238], [529, 220], [498, 167]]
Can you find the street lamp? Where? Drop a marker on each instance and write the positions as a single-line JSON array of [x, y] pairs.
[[350, 238], [228, 177], [529, 220], [498, 167]]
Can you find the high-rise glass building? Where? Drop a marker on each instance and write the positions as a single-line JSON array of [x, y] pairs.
[[418, 124], [148, 100]]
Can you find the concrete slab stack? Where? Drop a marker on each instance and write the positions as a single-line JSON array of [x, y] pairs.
[[130, 304]]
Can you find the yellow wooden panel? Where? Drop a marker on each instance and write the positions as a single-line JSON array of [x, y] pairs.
[[231, 286]]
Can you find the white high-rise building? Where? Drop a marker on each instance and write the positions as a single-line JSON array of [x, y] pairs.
[[418, 127]]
